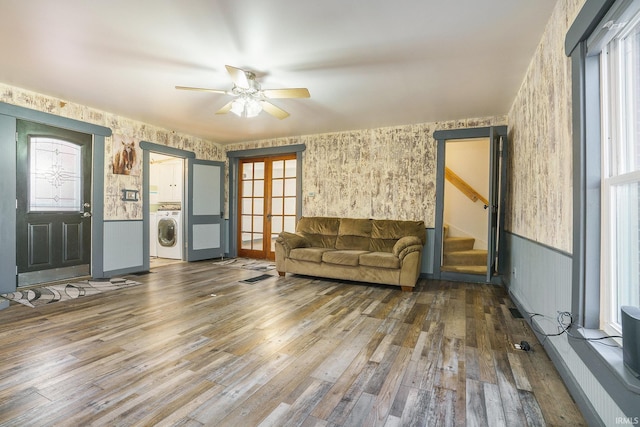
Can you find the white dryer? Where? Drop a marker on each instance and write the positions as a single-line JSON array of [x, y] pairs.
[[169, 234]]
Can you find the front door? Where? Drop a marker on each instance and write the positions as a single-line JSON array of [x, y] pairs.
[[267, 203], [53, 207]]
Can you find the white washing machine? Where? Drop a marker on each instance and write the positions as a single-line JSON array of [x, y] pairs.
[[169, 234]]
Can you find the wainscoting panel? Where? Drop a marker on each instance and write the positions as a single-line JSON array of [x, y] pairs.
[[539, 281], [123, 246]]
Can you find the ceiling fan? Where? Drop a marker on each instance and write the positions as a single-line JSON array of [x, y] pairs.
[[250, 98]]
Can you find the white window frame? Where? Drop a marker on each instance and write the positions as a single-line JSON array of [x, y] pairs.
[[617, 109]]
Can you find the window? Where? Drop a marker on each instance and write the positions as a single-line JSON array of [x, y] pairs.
[[603, 46], [55, 175], [620, 168]]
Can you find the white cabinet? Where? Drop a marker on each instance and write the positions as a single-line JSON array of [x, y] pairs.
[[169, 181]]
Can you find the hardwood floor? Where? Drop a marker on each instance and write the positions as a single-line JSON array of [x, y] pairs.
[[194, 345]]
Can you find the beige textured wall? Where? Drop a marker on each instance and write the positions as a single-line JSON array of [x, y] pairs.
[[374, 173], [122, 128], [540, 165], [383, 173]]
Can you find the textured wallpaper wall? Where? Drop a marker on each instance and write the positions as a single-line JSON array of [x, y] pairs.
[[373, 173], [383, 173], [123, 129], [540, 166]]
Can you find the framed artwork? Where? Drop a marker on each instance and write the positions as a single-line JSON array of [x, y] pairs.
[[126, 159]]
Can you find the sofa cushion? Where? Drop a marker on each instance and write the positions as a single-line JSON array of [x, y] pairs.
[[380, 259], [308, 254], [344, 257], [319, 231], [385, 233], [354, 234]]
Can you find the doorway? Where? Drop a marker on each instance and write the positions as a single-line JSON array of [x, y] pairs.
[[166, 227], [466, 192], [267, 203], [53, 203], [468, 234]]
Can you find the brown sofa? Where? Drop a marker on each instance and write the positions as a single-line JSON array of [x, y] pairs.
[[366, 250]]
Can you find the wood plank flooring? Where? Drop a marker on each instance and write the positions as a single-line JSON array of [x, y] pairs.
[[195, 346]]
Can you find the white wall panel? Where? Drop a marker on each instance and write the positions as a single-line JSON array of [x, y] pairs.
[[542, 284], [122, 245]]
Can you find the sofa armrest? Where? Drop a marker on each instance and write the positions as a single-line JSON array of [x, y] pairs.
[[406, 245], [291, 241]]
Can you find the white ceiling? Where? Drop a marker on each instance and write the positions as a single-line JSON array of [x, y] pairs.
[[366, 63]]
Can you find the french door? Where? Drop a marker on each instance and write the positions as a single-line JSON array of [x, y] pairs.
[[267, 203]]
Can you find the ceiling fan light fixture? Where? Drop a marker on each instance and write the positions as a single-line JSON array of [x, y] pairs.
[[250, 99], [246, 106]]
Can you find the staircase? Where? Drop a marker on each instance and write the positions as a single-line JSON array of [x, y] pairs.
[[460, 257]]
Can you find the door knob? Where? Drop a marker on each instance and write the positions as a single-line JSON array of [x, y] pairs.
[[85, 214]]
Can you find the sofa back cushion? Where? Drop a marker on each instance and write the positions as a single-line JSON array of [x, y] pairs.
[[375, 235], [385, 233], [321, 232], [354, 234]]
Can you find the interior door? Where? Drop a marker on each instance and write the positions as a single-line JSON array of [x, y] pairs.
[[495, 166], [267, 203], [205, 201], [53, 207]]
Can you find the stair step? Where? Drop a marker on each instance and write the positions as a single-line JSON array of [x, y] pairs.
[[470, 269], [468, 257], [452, 244]]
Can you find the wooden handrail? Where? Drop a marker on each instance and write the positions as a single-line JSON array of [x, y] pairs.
[[462, 185]]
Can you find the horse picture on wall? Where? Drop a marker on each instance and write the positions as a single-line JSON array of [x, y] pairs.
[[125, 157]]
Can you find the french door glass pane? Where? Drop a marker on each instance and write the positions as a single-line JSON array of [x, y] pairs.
[[257, 223], [290, 187], [290, 224], [258, 168], [246, 241], [246, 223], [276, 225], [258, 206], [247, 171], [278, 169], [55, 173], [276, 188], [290, 168], [247, 205], [276, 206], [258, 190], [289, 206], [247, 189]]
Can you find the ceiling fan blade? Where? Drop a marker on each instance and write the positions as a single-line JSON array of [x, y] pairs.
[[299, 92], [238, 76], [226, 108], [273, 110], [201, 89]]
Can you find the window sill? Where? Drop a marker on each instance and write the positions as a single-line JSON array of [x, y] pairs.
[[609, 354]]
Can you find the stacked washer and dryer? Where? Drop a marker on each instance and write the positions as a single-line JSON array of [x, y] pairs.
[[165, 197]]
